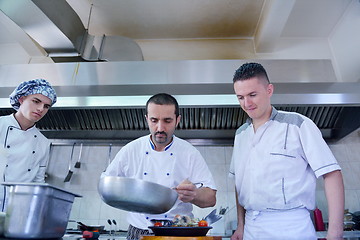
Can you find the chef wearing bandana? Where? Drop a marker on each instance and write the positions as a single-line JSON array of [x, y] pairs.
[[24, 151]]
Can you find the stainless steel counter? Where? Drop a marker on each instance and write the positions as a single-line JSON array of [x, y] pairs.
[[79, 236], [348, 235]]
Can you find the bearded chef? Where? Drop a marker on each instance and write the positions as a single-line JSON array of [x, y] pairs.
[[24, 151]]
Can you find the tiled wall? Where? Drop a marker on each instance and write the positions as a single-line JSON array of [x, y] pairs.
[[91, 210], [347, 152]]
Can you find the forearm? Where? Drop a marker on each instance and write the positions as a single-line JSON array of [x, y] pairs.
[[240, 214], [239, 233], [334, 191], [205, 197]]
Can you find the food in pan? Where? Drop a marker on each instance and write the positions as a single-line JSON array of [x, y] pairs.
[[182, 221]]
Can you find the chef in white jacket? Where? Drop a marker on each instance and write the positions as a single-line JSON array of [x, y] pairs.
[[24, 150]]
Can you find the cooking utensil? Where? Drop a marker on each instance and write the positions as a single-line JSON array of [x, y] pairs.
[[180, 231], [78, 163], [47, 175], [91, 228], [37, 210], [136, 195], [212, 217], [222, 210], [70, 172], [2, 223]]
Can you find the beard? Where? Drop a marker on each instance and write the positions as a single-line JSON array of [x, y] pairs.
[[160, 137]]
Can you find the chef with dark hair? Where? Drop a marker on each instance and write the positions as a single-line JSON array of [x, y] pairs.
[[165, 159], [24, 151]]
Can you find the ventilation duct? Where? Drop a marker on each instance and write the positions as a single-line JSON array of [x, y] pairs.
[[55, 26]]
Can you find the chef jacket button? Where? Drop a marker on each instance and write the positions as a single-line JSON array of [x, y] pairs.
[[33, 152], [11, 128], [147, 152], [35, 136], [7, 165], [145, 173], [147, 217], [8, 146], [29, 170], [171, 154], [168, 174]]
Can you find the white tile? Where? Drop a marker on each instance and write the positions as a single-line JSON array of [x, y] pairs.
[[90, 206], [353, 150], [320, 183], [349, 178], [219, 174], [215, 155], [228, 154], [340, 152], [355, 170], [352, 200]]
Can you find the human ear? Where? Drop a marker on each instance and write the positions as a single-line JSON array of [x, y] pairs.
[[21, 99], [270, 89], [178, 119]]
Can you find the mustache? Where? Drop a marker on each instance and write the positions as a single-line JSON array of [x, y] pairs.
[[160, 133]]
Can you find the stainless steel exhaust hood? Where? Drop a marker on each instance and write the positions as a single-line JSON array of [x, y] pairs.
[[106, 100]]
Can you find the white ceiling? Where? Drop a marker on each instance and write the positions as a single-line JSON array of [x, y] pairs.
[[265, 21], [164, 19]]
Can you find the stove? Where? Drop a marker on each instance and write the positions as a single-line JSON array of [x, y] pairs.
[[73, 236], [109, 235]]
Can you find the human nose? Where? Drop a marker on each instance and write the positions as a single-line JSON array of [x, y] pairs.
[[160, 126], [40, 108], [247, 102]]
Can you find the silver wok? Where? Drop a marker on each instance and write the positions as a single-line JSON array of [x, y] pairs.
[[135, 195]]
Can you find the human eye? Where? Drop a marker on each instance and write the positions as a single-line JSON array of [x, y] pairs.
[[240, 97], [168, 120]]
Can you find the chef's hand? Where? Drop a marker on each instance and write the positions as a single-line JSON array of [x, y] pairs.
[[238, 235], [187, 191]]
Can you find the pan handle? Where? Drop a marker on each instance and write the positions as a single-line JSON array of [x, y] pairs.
[[78, 163], [197, 185], [70, 172]]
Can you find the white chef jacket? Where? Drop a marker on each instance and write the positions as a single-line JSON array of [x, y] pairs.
[[24, 155], [179, 161], [276, 167]]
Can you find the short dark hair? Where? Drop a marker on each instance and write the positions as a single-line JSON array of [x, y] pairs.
[[163, 99], [250, 70]]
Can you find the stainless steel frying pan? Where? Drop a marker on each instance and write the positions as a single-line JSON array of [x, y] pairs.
[[136, 195]]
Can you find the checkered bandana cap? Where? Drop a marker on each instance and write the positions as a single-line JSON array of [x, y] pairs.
[[31, 87]]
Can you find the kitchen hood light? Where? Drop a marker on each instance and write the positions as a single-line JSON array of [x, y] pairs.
[[140, 101]]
